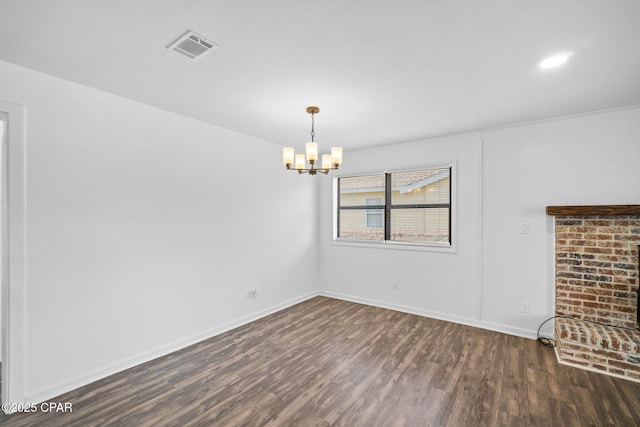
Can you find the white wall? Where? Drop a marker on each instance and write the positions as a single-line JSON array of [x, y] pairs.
[[437, 284], [505, 177], [584, 160], [144, 232]]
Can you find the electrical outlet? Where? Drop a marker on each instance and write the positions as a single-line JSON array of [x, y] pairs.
[[253, 292], [524, 228], [524, 306], [395, 286]]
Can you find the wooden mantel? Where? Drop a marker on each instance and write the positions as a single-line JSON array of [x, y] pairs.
[[594, 210]]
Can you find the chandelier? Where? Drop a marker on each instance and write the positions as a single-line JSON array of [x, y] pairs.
[[329, 161]]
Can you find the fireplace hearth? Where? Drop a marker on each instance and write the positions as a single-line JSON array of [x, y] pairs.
[[597, 270]]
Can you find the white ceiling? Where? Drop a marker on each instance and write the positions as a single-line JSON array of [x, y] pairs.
[[380, 71]]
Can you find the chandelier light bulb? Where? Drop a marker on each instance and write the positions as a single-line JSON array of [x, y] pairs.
[[287, 156], [327, 161], [312, 151], [336, 154]]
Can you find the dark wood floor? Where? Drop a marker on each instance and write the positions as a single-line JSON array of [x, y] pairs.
[[328, 362]]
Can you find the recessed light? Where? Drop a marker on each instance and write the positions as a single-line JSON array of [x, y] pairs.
[[555, 60]]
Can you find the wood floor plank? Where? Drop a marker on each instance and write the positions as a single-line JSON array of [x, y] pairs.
[[327, 362]]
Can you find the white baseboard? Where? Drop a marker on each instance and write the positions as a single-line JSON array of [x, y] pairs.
[[122, 365], [496, 327]]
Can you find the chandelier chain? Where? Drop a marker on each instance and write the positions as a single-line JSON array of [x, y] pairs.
[[313, 133]]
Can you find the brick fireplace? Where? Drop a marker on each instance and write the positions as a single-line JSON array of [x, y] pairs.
[[596, 287]]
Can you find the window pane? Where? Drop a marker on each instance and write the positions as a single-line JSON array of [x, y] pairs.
[[355, 190], [420, 225], [374, 216], [353, 224], [420, 187]]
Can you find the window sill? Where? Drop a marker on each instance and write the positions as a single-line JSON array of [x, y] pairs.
[[404, 246]]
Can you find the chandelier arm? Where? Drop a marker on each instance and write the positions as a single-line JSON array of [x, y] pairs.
[[312, 170]]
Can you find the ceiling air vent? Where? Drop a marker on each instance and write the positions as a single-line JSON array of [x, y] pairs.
[[192, 45]]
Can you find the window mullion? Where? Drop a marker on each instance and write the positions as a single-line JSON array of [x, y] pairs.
[[337, 231], [387, 206]]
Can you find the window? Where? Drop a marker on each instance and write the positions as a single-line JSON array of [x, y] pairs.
[[411, 207], [374, 217]]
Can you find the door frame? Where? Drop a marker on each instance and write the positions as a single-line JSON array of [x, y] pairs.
[[14, 234]]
